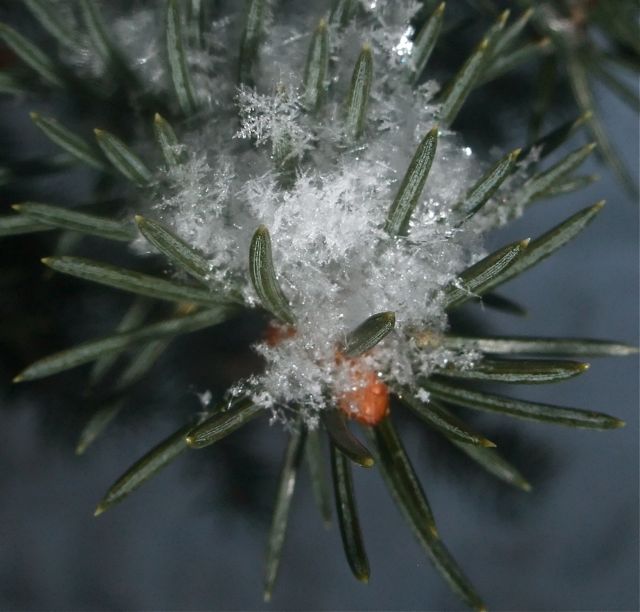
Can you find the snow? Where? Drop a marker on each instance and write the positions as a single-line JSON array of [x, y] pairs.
[[334, 261]]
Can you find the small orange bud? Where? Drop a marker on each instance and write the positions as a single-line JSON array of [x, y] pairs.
[[368, 401], [274, 334]]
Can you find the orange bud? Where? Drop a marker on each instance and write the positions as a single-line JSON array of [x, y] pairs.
[[368, 401], [274, 334]]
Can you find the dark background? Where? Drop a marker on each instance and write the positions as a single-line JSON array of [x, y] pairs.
[[194, 537]]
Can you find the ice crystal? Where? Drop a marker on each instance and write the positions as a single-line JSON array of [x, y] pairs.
[[274, 118]]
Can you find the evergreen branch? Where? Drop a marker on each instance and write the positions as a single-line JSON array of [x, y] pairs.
[[549, 142], [575, 347], [342, 438], [399, 217], [439, 419], [119, 342], [319, 483], [71, 220], [400, 477], [425, 42], [38, 61], [364, 337], [175, 249], [542, 182], [484, 189], [526, 53], [70, 142], [358, 100], [549, 242], [342, 12], [146, 467], [509, 35], [169, 145], [123, 158], [97, 423], [131, 281], [224, 423], [251, 39], [408, 495], [47, 16], [518, 372], [98, 34], [176, 52], [316, 68], [16, 225], [582, 91], [133, 318], [491, 460], [485, 274], [521, 409], [264, 279], [288, 476], [470, 73], [347, 511]]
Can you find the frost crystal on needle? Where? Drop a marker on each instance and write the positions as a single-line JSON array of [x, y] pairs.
[[272, 118]]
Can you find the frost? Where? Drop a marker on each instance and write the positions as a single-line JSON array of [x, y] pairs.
[[334, 261], [274, 118], [423, 395], [204, 398], [194, 200]]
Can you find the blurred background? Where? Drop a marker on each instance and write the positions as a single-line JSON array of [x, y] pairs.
[[194, 537]]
